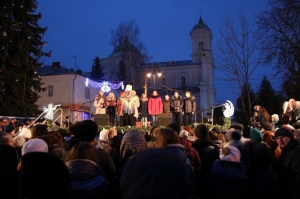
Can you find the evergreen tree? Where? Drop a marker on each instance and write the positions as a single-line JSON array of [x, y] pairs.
[[20, 50], [241, 112], [122, 72], [97, 70], [266, 97]]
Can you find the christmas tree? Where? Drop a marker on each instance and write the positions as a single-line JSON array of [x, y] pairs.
[[97, 70], [20, 50]]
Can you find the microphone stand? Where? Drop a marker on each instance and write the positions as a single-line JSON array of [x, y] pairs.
[[90, 106]]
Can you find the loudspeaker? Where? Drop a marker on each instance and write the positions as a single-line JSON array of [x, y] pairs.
[[102, 119], [164, 119]]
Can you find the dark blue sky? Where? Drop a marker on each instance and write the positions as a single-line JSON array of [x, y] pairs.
[[82, 28]]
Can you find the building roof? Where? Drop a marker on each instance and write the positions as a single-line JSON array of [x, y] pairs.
[[56, 69], [125, 47], [170, 63], [201, 25]]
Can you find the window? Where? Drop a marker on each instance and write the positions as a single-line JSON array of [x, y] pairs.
[[50, 90], [87, 93], [201, 46], [182, 81], [163, 81]]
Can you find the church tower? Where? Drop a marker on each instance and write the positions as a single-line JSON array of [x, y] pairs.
[[201, 36]]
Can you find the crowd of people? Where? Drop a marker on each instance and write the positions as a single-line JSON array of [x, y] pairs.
[[128, 108], [172, 162]]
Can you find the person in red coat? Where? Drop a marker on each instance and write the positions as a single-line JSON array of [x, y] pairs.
[[154, 106]]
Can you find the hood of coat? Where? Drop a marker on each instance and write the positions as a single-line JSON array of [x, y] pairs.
[[176, 98], [144, 99], [155, 96]]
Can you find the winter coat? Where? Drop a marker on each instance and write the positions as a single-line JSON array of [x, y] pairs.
[[111, 105], [288, 170], [87, 179], [130, 103], [143, 109], [166, 106], [99, 103], [226, 180], [208, 152], [155, 105], [180, 151], [119, 107], [176, 104], [189, 104]]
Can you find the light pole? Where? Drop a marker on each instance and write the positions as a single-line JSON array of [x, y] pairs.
[[154, 75]]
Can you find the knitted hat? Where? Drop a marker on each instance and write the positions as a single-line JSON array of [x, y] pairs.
[[283, 132], [148, 175], [35, 145], [230, 153], [256, 135], [267, 126], [19, 141]]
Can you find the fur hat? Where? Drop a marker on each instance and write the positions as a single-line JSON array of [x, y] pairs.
[[230, 153], [19, 141], [267, 126], [103, 135], [35, 145], [283, 132], [128, 87], [256, 135]]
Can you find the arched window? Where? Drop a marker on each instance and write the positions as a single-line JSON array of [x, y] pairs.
[[201, 45]]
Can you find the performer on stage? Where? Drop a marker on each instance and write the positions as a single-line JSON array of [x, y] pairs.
[[155, 106], [111, 107], [130, 104], [176, 105], [99, 103], [189, 108]]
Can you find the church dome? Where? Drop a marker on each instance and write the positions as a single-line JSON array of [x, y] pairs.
[[201, 25], [125, 46]]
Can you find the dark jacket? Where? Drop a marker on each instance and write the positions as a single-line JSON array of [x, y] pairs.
[[176, 104], [226, 180], [143, 109], [166, 106], [208, 152], [288, 170], [189, 104], [87, 179]]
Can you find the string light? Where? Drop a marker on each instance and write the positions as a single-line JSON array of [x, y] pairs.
[[105, 86]]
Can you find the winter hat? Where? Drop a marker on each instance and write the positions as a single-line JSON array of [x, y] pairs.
[[132, 143], [35, 145], [103, 135], [148, 175], [201, 131], [128, 87], [230, 153], [43, 175], [19, 141], [267, 126], [217, 130], [256, 135], [9, 128], [183, 133], [283, 132]]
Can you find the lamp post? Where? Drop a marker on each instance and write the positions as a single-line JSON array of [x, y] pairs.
[[154, 75]]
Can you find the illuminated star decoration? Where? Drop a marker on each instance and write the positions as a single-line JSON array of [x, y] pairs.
[[104, 86]]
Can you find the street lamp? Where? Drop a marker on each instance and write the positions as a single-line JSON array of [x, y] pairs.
[[154, 75]]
